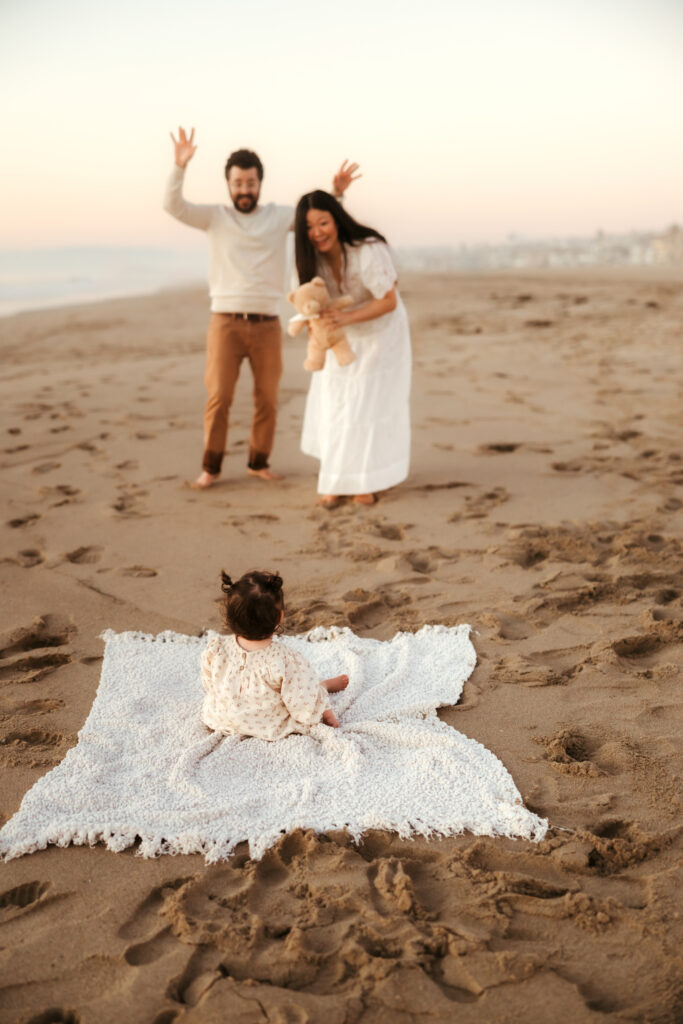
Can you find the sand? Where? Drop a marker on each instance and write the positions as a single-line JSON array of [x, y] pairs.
[[543, 507]]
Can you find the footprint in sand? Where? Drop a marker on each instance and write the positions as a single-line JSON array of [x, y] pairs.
[[447, 486], [152, 936], [27, 559], [368, 614], [499, 447], [55, 1016], [85, 555], [424, 562], [671, 505], [548, 668], [388, 531], [510, 627], [144, 921], [27, 520], [140, 571], [245, 524], [39, 706], [375, 608], [41, 637], [33, 748], [363, 553], [46, 467], [618, 844], [129, 501], [63, 494], [20, 898], [666, 595], [570, 751], [643, 646], [478, 506], [315, 613], [152, 949]]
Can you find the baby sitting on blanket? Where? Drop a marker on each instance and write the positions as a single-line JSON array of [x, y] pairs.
[[255, 687]]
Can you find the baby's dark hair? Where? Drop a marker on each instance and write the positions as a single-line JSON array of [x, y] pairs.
[[254, 604]]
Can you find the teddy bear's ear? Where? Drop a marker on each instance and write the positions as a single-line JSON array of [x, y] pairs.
[[318, 281], [290, 296]]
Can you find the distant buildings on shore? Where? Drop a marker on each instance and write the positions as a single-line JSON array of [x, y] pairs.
[[636, 248]]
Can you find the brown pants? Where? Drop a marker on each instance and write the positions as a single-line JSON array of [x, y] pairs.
[[229, 341]]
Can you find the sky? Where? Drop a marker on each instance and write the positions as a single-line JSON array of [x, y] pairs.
[[471, 121]]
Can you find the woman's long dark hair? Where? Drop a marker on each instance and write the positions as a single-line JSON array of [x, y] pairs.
[[350, 231]]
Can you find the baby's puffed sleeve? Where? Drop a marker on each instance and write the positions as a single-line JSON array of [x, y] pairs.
[[208, 661], [377, 270], [301, 692]]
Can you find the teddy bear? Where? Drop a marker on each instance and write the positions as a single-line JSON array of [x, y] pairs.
[[310, 300]]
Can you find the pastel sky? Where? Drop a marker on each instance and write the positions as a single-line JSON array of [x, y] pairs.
[[470, 120]]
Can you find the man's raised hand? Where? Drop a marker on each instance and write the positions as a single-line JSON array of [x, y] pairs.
[[344, 176], [184, 148]]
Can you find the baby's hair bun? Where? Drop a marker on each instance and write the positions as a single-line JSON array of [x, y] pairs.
[[275, 583], [226, 582]]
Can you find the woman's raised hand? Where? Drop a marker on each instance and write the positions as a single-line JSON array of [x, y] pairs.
[[184, 148], [344, 176]]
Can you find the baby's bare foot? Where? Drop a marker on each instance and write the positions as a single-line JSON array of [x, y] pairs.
[[265, 474], [336, 684]]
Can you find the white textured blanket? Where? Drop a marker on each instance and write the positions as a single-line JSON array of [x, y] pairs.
[[145, 766]]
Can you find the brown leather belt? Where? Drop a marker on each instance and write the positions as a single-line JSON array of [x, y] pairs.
[[254, 318]]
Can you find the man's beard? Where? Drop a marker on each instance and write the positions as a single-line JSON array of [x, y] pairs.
[[253, 200]]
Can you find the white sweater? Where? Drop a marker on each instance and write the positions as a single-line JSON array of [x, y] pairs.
[[246, 250]]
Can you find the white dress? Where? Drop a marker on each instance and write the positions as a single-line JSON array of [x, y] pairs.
[[357, 418]]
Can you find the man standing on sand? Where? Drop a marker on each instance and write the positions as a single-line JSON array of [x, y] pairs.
[[246, 281]]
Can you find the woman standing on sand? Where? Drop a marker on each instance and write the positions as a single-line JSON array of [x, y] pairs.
[[357, 419]]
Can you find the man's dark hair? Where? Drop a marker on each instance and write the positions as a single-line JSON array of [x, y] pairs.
[[245, 160], [349, 230]]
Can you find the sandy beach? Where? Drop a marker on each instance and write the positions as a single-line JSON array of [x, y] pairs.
[[543, 507]]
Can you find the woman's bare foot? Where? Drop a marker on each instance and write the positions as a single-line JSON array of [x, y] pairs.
[[265, 474], [335, 684], [329, 500], [365, 499], [204, 480]]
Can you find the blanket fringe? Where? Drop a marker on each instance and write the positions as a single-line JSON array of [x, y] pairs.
[[167, 637], [315, 635], [529, 826]]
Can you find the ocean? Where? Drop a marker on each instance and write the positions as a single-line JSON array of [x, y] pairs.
[[45, 278]]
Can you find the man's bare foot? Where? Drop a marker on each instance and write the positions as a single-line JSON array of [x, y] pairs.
[[265, 474], [335, 684], [204, 480], [365, 499], [329, 500]]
